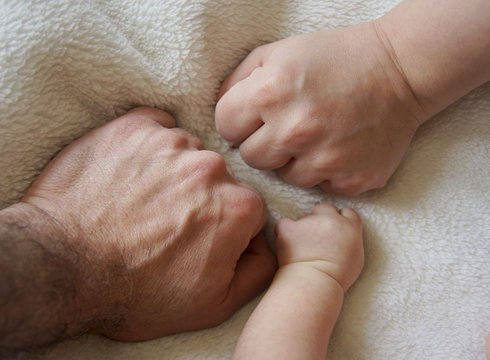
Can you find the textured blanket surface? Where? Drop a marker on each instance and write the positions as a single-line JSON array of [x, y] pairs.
[[67, 66]]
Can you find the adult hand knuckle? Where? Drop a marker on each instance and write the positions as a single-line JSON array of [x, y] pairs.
[[223, 116], [246, 206], [365, 181], [299, 181], [326, 160], [211, 163], [173, 138], [300, 132], [269, 92], [380, 182], [250, 155], [251, 203], [344, 188], [127, 126]]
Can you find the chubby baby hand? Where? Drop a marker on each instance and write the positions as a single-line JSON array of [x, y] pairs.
[[328, 240]]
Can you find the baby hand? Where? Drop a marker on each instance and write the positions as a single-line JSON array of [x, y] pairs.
[[327, 240]]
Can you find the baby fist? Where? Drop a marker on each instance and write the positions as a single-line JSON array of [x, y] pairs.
[[328, 239]]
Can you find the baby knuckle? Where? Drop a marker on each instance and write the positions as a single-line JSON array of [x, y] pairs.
[[281, 241], [283, 226]]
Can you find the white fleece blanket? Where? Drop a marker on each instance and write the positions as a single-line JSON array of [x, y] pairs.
[[67, 66]]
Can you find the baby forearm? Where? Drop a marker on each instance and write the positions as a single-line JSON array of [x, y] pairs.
[[295, 318], [442, 47]]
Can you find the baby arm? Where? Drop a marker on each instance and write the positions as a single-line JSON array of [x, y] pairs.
[[320, 256]]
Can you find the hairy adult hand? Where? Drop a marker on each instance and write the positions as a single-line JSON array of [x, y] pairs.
[[330, 108], [167, 238]]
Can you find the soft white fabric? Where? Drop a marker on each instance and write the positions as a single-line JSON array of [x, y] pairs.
[[67, 66]]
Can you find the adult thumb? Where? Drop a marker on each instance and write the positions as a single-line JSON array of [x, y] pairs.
[[254, 272]]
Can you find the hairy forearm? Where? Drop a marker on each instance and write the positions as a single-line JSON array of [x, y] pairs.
[[295, 318], [41, 277], [442, 47]]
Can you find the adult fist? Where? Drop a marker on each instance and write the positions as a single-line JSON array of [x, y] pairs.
[[329, 108], [166, 238]]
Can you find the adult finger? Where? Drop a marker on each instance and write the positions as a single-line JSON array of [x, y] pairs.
[[254, 60], [261, 151], [236, 116], [301, 173], [166, 120], [342, 188], [157, 115], [254, 271], [130, 125]]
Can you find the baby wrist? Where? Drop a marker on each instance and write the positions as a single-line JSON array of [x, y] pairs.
[[309, 273]]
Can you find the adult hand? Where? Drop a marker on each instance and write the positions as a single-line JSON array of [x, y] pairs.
[[168, 239], [329, 108]]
